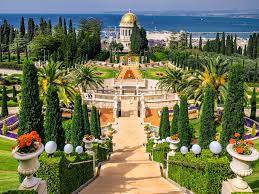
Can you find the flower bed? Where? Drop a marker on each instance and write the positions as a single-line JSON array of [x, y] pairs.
[[63, 177], [203, 174], [12, 123]]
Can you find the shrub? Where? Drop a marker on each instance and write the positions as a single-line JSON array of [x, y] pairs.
[[63, 178], [184, 129], [233, 116], [77, 127], [149, 146], [253, 105], [207, 130], [174, 124], [164, 128], [4, 129], [101, 151], [94, 123], [253, 133], [31, 106], [4, 112], [86, 120], [203, 175], [67, 128], [53, 124], [159, 153], [10, 65]]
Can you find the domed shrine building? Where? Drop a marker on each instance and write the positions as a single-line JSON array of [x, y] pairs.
[[126, 26]]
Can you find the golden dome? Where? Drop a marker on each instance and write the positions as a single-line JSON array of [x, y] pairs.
[[128, 19]]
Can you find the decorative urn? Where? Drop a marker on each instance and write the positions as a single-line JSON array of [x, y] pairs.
[[173, 140], [88, 140], [27, 152], [241, 165]]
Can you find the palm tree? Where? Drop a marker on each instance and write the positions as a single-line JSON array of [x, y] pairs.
[[52, 74], [87, 77], [214, 74], [173, 80]]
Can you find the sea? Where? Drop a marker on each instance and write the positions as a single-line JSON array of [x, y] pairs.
[[206, 26]]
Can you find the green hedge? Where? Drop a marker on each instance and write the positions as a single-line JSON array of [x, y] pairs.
[[159, 153], [11, 65], [101, 151], [203, 174], [149, 145], [10, 103], [62, 178]]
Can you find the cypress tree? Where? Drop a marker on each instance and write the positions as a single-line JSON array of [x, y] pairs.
[[77, 127], [98, 128], [14, 94], [31, 106], [233, 116], [65, 26], [22, 27], [250, 47], [31, 29], [70, 28], [184, 130], [217, 43], [200, 44], [164, 128], [60, 22], [4, 112], [223, 44], [245, 51], [144, 41], [228, 45], [235, 44], [174, 123], [86, 120], [53, 130], [207, 120], [253, 105], [190, 42], [135, 39], [49, 27], [94, 123]]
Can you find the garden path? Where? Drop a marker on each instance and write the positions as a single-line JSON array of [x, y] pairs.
[[129, 170]]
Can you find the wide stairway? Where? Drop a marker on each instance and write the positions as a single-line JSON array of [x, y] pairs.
[[129, 170]]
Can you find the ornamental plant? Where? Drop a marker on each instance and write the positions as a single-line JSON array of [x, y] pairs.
[[88, 137], [175, 137], [241, 146], [253, 133], [28, 142]]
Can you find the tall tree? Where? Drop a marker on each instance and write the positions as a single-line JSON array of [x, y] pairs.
[[22, 27], [53, 120], [65, 26], [185, 132], [190, 42], [49, 27], [31, 29], [174, 124], [4, 112], [253, 105], [200, 44], [87, 128], [77, 127], [70, 27], [94, 123], [135, 39], [233, 116], [207, 130], [164, 128], [14, 94], [223, 44], [217, 43], [31, 106]]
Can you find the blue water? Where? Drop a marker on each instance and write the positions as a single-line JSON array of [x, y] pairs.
[[170, 23]]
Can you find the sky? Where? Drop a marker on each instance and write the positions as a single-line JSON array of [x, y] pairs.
[[100, 6]]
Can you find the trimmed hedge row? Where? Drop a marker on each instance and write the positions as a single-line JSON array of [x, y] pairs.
[[11, 65], [101, 152], [149, 145], [159, 153], [63, 178], [203, 174]]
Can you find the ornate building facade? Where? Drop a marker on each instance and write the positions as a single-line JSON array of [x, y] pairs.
[[126, 26]]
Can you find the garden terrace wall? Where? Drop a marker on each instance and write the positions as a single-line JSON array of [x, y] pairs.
[[203, 174], [61, 176]]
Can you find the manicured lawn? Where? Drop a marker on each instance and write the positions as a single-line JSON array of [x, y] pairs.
[[8, 166], [107, 73], [153, 73], [253, 180]]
